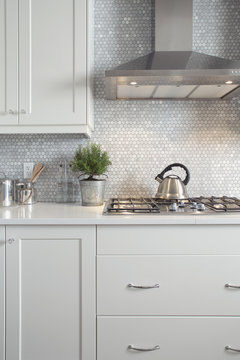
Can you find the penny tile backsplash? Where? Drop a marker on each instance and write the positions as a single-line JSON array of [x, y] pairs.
[[144, 137]]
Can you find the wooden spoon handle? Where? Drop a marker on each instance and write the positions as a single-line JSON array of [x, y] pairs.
[[38, 174], [36, 169]]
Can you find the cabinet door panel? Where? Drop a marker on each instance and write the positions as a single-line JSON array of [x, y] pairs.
[[52, 62], [8, 62], [2, 293], [46, 274]]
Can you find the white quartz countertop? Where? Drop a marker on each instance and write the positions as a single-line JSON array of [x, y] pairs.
[[75, 214]]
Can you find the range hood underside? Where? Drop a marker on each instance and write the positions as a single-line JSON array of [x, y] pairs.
[[174, 75], [169, 88], [191, 92]]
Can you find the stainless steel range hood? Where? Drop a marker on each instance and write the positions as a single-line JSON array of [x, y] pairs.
[[173, 70]]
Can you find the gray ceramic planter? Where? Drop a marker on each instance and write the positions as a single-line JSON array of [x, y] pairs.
[[92, 192]]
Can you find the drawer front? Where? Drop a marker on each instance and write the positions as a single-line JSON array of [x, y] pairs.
[[178, 338], [188, 285], [168, 239]]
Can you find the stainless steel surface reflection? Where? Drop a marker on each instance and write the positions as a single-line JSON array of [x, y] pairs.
[[6, 192], [191, 206]]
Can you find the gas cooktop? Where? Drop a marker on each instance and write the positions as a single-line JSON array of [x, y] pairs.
[[156, 206]]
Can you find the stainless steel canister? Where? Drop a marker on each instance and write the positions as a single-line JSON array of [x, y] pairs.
[[6, 192]]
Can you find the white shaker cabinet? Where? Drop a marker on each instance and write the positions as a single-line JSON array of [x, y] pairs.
[[2, 293], [50, 303], [45, 67]]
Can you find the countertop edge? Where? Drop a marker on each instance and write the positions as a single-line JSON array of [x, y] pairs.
[[74, 214]]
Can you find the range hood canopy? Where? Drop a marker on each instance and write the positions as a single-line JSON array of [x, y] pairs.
[[173, 70]]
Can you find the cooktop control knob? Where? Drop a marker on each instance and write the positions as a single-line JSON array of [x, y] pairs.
[[201, 207], [194, 205], [181, 204], [173, 207]]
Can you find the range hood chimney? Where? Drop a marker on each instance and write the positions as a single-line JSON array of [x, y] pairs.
[[173, 70]]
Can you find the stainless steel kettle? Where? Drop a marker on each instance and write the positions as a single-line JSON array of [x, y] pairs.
[[172, 187]]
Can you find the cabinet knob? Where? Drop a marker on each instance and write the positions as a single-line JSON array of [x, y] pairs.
[[23, 111], [11, 241]]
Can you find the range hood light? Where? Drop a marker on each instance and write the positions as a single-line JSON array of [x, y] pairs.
[[229, 82], [133, 83]]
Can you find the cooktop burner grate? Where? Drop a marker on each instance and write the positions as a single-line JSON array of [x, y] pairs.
[[141, 205], [220, 204], [155, 205]]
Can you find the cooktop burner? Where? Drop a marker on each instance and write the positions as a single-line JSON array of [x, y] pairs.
[[156, 205]]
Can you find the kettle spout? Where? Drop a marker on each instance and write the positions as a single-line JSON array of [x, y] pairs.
[[158, 179]]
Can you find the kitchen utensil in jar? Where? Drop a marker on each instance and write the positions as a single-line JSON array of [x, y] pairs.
[[26, 193], [38, 169]]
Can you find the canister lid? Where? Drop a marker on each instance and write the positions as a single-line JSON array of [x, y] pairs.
[[3, 177], [5, 180]]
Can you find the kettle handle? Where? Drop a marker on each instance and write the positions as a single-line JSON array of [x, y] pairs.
[[169, 167]]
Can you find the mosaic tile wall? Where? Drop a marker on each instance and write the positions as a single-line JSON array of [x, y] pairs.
[[144, 137]]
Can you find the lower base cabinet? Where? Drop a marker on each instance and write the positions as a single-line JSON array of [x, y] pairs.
[[168, 292], [50, 302], [171, 338], [48, 294]]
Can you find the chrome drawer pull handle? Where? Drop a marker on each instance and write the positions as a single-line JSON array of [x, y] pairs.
[[232, 286], [156, 286], [229, 348], [131, 347]]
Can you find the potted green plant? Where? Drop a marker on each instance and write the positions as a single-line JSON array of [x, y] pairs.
[[91, 162]]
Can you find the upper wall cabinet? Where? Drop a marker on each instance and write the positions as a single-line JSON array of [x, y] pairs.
[[45, 82]]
